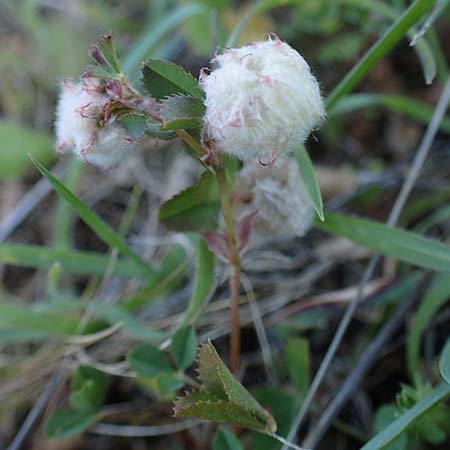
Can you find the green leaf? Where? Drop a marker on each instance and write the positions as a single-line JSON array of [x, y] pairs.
[[134, 123], [29, 320], [423, 48], [204, 277], [107, 49], [165, 279], [17, 142], [403, 245], [386, 42], [224, 439], [71, 261], [410, 107], [309, 178], [162, 79], [103, 231], [114, 314], [221, 397], [444, 362], [153, 130], [298, 363], [400, 425], [194, 209], [66, 422], [437, 294], [63, 217], [282, 405], [148, 361], [99, 72], [183, 347], [168, 383], [180, 112], [88, 389], [384, 416], [148, 41]]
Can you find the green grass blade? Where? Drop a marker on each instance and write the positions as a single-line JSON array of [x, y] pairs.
[[204, 277], [403, 245], [103, 231], [164, 279], [444, 363], [415, 109], [63, 213], [70, 261], [17, 141], [147, 43], [31, 321], [386, 42], [425, 51], [396, 428], [309, 178], [439, 216], [434, 299], [131, 327]]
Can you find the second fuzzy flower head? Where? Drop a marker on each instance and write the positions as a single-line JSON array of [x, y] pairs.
[[261, 101]]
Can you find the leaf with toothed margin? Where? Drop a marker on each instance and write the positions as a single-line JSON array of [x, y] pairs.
[[181, 111], [221, 397], [194, 209], [106, 51], [162, 79], [99, 72]]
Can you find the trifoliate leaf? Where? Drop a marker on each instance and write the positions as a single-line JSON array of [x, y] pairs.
[[66, 422], [88, 389], [181, 111], [162, 79], [222, 398], [183, 347], [134, 123], [105, 55], [194, 209], [148, 361], [153, 130]]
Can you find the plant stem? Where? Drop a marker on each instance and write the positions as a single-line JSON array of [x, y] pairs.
[[189, 140], [235, 268]]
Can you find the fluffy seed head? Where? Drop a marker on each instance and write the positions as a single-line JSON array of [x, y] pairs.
[[261, 100], [80, 129], [279, 196]]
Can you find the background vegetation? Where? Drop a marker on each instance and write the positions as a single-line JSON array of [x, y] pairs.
[[91, 349]]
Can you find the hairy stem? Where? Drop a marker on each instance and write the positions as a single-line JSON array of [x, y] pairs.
[[235, 268]]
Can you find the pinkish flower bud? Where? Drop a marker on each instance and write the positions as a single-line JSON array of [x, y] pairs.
[[261, 101], [80, 129], [279, 197]]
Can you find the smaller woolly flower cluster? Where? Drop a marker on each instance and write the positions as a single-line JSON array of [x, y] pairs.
[[261, 101], [279, 197], [85, 126]]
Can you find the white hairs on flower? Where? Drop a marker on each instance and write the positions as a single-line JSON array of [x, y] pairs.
[[80, 128], [279, 197], [261, 101]]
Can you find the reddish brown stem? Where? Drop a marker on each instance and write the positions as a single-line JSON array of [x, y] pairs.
[[235, 268], [235, 341]]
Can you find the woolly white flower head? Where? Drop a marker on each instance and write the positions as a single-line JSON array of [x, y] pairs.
[[279, 196], [261, 100], [79, 125]]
